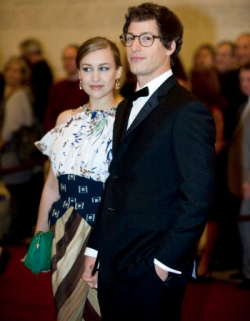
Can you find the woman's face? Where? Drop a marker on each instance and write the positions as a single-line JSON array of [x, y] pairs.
[[13, 75], [204, 58], [98, 73]]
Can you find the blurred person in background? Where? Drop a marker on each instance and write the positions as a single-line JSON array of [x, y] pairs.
[[206, 86], [16, 111], [225, 58], [243, 48], [226, 64], [204, 56], [41, 74], [65, 94], [4, 254], [239, 175]]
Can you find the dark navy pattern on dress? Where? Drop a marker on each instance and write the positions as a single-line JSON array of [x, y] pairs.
[[81, 193]]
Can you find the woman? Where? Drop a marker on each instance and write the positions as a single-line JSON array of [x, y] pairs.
[[80, 151], [204, 57], [15, 112]]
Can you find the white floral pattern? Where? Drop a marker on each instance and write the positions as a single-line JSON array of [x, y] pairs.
[[82, 145]]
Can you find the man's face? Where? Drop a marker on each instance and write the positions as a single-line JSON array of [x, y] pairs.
[[243, 49], [245, 81], [69, 61], [224, 58], [147, 63]]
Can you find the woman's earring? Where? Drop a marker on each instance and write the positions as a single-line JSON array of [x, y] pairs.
[[80, 84], [117, 83]]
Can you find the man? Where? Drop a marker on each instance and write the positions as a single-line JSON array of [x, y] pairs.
[[225, 58], [228, 56], [228, 73], [161, 185], [41, 74], [65, 94], [243, 48], [239, 174]]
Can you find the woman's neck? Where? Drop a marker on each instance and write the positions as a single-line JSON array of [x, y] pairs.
[[104, 103]]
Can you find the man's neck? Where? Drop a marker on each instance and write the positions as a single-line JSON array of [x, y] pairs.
[[155, 82], [143, 80]]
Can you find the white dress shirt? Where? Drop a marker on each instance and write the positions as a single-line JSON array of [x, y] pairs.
[[153, 85]]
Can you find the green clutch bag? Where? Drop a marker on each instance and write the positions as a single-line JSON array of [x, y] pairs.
[[38, 257]]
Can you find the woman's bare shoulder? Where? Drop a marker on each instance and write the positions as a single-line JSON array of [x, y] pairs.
[[63, 116]]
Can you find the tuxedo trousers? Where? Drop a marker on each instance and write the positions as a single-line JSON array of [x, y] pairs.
[[143, 298]]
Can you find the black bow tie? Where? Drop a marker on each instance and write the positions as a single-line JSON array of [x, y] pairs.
[[140, 93]]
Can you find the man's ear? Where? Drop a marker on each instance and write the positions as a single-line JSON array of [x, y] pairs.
[[171, 49]]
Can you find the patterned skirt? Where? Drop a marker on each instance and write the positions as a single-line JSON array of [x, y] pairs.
[[74, 300], [70, 290]]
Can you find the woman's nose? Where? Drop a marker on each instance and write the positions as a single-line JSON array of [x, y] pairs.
[[96, 75]]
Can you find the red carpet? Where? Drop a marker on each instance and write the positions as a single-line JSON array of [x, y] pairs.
[[27, 297], [219, 300], [23, 295]]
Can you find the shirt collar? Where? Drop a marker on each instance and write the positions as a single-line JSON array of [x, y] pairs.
[[157, 82]]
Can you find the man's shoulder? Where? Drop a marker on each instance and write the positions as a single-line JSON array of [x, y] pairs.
[[178, 94]]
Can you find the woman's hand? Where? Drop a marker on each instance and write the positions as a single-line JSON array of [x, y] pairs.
[[23, 259], [88, 272]]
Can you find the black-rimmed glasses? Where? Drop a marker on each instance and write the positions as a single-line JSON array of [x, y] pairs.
[[145, 39]]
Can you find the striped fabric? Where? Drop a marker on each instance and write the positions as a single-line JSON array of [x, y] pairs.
[[68, 246]]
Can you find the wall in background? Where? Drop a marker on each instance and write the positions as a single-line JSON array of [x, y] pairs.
[[59, 22]]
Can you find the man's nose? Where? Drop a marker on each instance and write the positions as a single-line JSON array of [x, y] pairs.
[[136, 46]]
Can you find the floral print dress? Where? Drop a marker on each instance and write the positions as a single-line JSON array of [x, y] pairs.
[[80, 152]]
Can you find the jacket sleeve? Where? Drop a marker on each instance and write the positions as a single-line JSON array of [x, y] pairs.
[[193, 141]]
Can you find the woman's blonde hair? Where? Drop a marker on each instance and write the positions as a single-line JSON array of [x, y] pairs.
[[98, 43], [24, 68]]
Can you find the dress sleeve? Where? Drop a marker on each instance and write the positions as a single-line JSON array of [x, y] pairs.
[[46, 143]]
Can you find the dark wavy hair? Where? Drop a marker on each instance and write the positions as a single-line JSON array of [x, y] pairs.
[[169, 26]]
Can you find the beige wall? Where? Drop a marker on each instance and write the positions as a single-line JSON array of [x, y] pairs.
[[59, 22]]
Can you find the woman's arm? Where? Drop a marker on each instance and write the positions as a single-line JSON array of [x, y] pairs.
[[50, 194], [50, 191]]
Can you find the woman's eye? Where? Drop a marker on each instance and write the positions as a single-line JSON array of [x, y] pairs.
[[86, 69], [104, 68]]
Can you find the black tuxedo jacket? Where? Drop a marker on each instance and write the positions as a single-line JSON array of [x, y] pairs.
[[161, 186]]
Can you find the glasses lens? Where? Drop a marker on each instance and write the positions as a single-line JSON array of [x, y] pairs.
[[146, 39], [128, 40], [123, 41]]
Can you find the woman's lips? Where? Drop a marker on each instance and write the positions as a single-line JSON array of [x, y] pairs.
[[96, 87]]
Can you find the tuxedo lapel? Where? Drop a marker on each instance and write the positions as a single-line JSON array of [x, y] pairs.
[[120, 124], [146, 109], [151, 104]]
